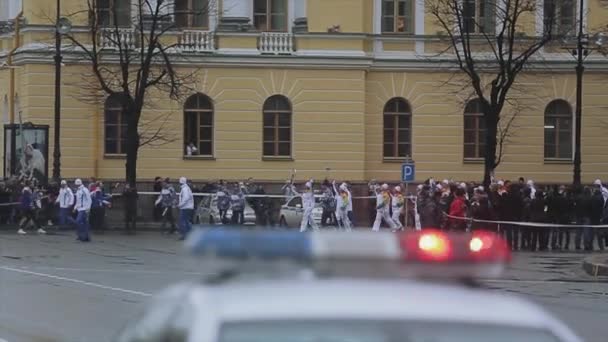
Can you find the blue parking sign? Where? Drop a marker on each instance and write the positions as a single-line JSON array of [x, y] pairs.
[[408, 172]]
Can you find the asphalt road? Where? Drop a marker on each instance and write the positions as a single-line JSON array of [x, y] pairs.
[[53, 288]]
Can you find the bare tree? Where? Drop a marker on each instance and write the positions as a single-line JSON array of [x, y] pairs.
[[490, 49], [134, 64]]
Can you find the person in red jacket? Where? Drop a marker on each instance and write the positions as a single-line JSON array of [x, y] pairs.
[[458, 208]]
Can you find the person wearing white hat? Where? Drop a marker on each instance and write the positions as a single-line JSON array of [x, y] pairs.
[[397, 203], [82, 207], [186, 208], [308, 204], [65, 201], [603, 190], [383, 201], [349, 206], [530, 184]]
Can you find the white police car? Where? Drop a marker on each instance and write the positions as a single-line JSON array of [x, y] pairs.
[[357, 287]]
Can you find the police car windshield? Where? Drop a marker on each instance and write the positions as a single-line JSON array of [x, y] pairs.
[[377, 331]]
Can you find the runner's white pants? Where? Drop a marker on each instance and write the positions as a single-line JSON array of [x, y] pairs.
[[383, 214], [343, 216], [307, 220], [396, 219]]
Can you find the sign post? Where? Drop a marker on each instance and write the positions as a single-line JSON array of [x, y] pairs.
[[408, 174]]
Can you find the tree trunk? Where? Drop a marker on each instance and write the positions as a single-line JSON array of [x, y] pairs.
[[132, 146], [491, 142]]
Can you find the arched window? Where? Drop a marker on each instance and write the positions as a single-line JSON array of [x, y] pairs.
[[277, 127], [198, 126], [474, 130], [558, 130], [115, 126], [397, 129]]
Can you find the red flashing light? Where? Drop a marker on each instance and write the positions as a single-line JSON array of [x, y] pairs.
[[442, 247]]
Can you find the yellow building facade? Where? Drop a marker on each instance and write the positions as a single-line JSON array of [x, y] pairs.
[[332, 88]]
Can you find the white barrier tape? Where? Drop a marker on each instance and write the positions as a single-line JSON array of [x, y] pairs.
[[211, 194], [530, 224]]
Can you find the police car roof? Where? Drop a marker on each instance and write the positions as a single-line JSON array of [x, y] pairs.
[[361, 299]]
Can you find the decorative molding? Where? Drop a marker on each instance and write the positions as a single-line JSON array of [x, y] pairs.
[[239, 51], [331, 53]]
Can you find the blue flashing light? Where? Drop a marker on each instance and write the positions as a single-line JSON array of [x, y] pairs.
[[228, 243]]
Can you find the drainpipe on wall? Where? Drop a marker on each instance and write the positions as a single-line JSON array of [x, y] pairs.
[[9, 62]]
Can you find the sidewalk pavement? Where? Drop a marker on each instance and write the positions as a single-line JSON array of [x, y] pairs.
[[596, 265]]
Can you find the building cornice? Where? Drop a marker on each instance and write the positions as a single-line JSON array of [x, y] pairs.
[[40, 53]]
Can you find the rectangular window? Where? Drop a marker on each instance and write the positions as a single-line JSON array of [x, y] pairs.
[[474, 136], [478, 16], [558, 137], [397, 16], [559, 16], [113, 13], [199, 131], [270, 15], [192, 14], [115, 131], [397, 136], [277, 135]]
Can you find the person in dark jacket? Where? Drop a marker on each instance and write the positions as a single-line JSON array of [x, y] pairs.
[[597, 210], [130, 195], [481, 209], [582, 212], [511, 206], [430, 211], [559, 209], [539, 236], [28, 210], [526, 232]]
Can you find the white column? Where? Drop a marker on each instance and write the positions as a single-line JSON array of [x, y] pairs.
[[297, 16], [585, 13], [540, 17], [419, 24], [14, 7], [213, 15], [377, 26], [299, 8]]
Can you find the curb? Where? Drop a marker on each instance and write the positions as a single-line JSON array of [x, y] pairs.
[[596, 265]]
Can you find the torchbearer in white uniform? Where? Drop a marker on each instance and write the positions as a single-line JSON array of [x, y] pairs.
[[397, 202], [308, 204], [383, 201]]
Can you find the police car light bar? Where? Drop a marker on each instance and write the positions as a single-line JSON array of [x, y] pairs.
[[421, 247]]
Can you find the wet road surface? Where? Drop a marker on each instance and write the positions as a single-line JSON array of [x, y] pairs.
[[53, 288]]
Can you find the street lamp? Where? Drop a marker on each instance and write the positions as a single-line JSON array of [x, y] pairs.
[[582, 50], [62, 26]]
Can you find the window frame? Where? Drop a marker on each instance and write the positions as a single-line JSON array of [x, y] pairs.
[[556, 117], [409, 29], [110, 14], [559, 23], [396, 129], [190, 15], [276, 127], [473, 110], [113, 104], [268, 15], [480, 15], [198, 111]]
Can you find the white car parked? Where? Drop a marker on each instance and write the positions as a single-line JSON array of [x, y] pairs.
[[208, 213], [291, 212]]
